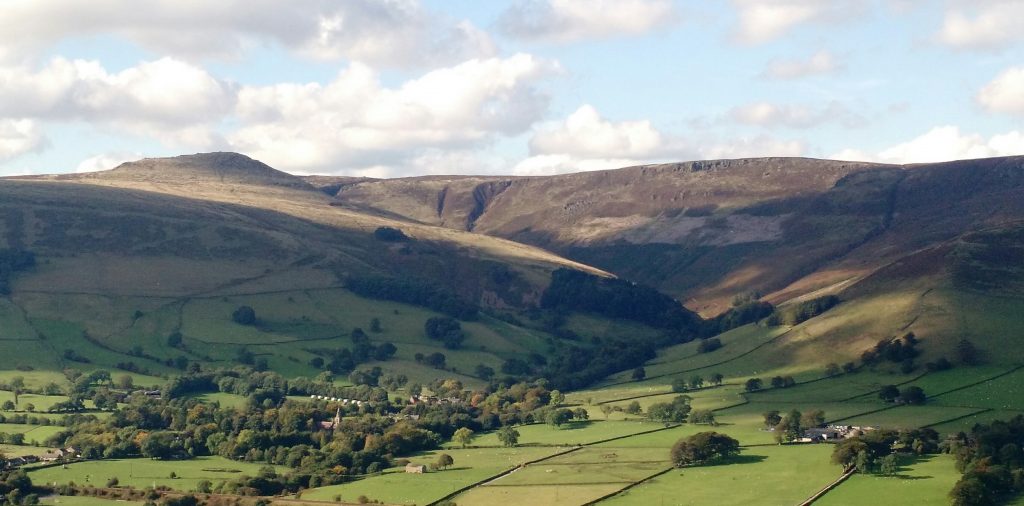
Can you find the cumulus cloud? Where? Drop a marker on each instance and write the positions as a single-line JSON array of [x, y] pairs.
[[585, 133], [822, 62], [586, 141], [355, 122], [983, 25], [393, 32], [571, 20], [167, 97], [766, 20], [942, 144], [19, 136], [1005, 94], [767, 114]]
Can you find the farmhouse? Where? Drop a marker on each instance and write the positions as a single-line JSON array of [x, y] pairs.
[[415, 468]]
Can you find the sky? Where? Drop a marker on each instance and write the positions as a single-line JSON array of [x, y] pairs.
[[391, 88]]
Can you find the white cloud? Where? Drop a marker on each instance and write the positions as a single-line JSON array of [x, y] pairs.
[[585, 141], [106, 161], [165, 98], [766, 114], [1005, 94], [995, 24], [942, 144], [571, 20], [399, 32], [766, 20], [586, 134], [19, 136], [354, 122], [822, 62]]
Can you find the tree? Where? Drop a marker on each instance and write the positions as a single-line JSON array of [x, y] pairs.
[[633, 408], [679, 385], [789, 428], [967, 353], [703, 416], [444, 460], [890, 465], [753, 384], [696, 381], [557, 398], [559, 417], [508, 436], [483, 372], [463, 436], [581, 414], [832, 369], [849, 367], [639, 374], [846, 452], [912, 395], [244, 315], [18, 386], [125, 382], [606, 410], [702, 448], [716, 379], [771, 418], [970, 492], [669, 413], [375, 325], [812, 418], [889, 393], [32, 407], [8, 405], [445, 329]]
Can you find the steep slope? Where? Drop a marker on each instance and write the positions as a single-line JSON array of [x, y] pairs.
[[707, 231]]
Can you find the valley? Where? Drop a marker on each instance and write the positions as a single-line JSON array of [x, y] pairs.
[[187, 314]]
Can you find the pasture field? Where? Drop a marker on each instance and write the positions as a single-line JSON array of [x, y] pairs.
[[395, 486], [925, 480], [142, 473], [79, 500], [572, 433], [33, 433], [21, 451], [760, 475]]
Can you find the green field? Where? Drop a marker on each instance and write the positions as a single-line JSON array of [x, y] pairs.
[[924, 480], [572, 433], [143, 473], [78, 500], [398, 487], [760, 475]]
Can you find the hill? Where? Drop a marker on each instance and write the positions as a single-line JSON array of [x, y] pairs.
[[140, 268], [707, 231]]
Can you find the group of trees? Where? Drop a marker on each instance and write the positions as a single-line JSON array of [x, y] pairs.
[[902, 351], [703, 448], [803, 311], [413, 291], [791, 426], [877, 451], [572, 290], [913, 395], [345, 360], [991, 460], [696, 382], [755, 384], [16, 489], [445, 329]]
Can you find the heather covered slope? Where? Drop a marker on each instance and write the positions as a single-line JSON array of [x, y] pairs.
[[706, 231]]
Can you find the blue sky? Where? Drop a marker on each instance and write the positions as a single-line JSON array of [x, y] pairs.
[[393, 88]]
